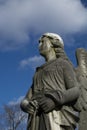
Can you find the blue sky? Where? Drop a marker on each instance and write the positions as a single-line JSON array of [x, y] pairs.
[[22, 22]]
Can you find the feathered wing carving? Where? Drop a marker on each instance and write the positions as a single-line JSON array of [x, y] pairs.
[[81, 72], [81, 56]]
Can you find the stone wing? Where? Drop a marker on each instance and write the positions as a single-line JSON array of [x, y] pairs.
[[81, 72]]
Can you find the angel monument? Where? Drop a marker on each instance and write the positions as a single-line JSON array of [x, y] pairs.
[[52, 100]]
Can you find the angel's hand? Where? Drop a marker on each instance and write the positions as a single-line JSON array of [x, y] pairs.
[[47, 104], [29, 106]]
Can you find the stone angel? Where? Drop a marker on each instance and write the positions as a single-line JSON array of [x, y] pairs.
[[55, 89]]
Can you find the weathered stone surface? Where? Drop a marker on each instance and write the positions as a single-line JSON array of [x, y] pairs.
[[51, 99]]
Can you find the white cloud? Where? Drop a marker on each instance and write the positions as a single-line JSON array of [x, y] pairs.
[[18, 18], [16, 101], [32, 62]]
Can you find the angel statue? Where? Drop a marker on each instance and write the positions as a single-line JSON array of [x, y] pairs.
[[52, 100], [81, 72]]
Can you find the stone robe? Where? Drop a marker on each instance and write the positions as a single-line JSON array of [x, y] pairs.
[[54, 76]]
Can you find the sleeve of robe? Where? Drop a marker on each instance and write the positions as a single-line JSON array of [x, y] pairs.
[[72, 88]]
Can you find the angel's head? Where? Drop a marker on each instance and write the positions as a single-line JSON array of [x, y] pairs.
[[51, 42]]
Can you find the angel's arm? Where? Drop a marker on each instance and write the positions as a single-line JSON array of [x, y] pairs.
[[71, 83], [72, 87]]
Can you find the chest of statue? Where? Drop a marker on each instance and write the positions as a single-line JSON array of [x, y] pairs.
[[49, 77]]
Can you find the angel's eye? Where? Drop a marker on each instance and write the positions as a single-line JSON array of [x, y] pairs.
[[42, 41], [58, 39]]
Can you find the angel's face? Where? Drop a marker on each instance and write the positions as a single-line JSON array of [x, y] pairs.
[[44, 46]]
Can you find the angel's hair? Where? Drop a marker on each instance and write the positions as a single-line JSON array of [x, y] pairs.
[[57, 44]]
